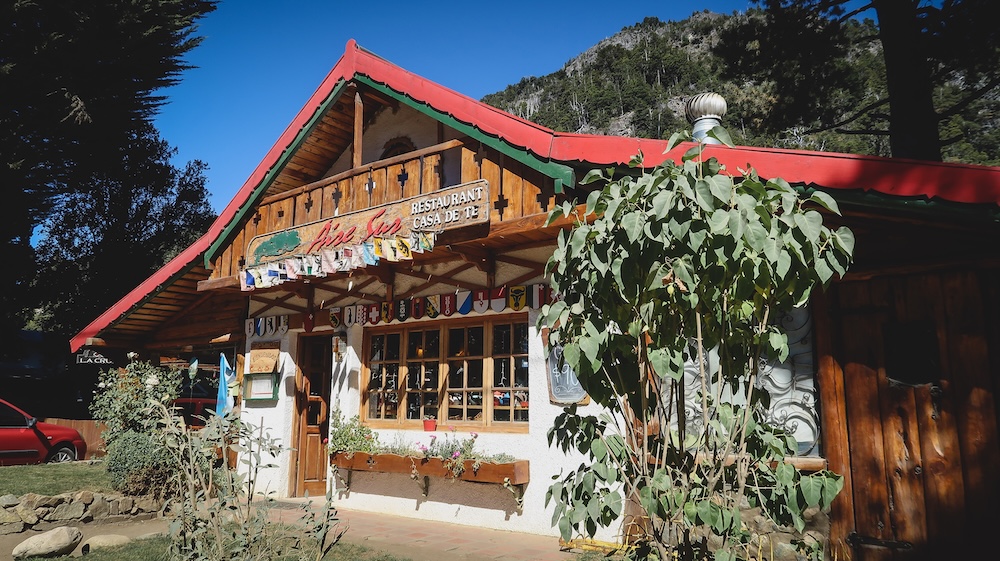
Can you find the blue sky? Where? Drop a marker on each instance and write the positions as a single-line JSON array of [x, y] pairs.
[[261, 60]]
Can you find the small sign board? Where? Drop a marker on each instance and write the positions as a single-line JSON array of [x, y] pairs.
[[450, 208]]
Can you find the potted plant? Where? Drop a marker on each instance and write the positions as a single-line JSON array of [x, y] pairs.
[[430, 423]]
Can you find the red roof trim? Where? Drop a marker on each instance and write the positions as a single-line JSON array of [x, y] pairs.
[[907, 178]]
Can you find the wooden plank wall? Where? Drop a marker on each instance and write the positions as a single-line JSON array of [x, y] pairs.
[[516, 190]]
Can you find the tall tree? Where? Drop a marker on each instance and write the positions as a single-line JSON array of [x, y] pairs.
[[940, 63], [104, 238], [77, 79]]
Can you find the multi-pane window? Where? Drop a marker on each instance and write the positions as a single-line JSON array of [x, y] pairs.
[[423, 353], [510, 372], [467, 372], [383, 385]]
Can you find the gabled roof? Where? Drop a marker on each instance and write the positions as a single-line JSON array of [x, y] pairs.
[[554, 153]]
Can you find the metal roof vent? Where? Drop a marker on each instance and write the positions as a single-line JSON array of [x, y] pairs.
[[705, 111]]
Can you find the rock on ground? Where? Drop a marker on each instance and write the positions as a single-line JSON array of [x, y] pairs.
[[60, 541], [103, 540]]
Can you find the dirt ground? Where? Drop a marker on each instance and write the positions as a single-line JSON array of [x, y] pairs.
[[132, 529]]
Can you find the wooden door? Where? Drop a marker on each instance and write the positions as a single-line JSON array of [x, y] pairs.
[[919, 384], [312, 404]]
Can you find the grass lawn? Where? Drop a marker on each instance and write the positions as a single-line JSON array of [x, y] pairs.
[[52, 479]]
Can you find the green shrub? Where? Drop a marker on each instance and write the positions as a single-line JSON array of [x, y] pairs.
[[351, 436], [139, 464], [123, 396]]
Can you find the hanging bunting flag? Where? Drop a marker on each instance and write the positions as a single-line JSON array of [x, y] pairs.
[[292, 268], [480, 301], [498, 299], [246, 281], [374, 314], [368, 253], [427, 241], [387, 309], [448, 304], [357, 259], [329, 261], [389, 250], [349, 312], [402, 310], [417, 307], [432, 305], [517, 297], [404, 249], [415, 242]]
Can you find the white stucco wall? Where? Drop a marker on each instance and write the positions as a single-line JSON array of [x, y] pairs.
[[275, 416], [461, 502]]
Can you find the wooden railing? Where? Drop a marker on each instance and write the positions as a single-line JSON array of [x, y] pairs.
[[516, 191]]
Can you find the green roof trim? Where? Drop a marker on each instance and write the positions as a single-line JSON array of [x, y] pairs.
[[919, 206], [562, 174], [262, 187]]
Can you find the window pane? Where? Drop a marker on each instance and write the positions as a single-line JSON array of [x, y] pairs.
[[475, 341], [432, 344], [392, 347], [415, 345], [378, 346], [501, 339], [391, 404], [521, 338], [521, 372], [430, 375], [414, 375], [391, 376], [456, 374], [413, 403], [501, 372], [475, 375], [456, 342], [376, 377]]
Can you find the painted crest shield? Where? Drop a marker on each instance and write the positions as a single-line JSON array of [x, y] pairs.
[[517, 297], [348, 315], [417, 307], [361, 314], [432, 306], [402, 310], [498, 299], [481, 300], [387, 309], [374, 314], [448, 304], [463, 302]]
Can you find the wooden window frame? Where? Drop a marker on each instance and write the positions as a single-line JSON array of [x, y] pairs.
[[487, 424]]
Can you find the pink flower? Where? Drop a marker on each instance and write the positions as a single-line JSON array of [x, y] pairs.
[[456, 454], [326, 440], [474, 434]]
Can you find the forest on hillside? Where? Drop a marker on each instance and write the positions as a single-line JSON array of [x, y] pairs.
[[824, 90]]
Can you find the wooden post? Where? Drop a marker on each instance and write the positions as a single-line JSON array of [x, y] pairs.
[[359, 120]]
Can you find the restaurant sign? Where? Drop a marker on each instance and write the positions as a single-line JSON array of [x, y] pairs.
[[445, 209]]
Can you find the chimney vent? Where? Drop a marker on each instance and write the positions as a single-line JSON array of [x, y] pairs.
[[705, 111]]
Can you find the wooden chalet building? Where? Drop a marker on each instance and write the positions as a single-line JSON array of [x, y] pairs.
[[386, 257]]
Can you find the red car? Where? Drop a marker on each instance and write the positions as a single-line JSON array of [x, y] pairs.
[[24, 440]]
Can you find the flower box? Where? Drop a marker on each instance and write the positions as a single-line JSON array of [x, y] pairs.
[[512, 473]]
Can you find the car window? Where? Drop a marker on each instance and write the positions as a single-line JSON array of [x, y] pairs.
[[10, 417]]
